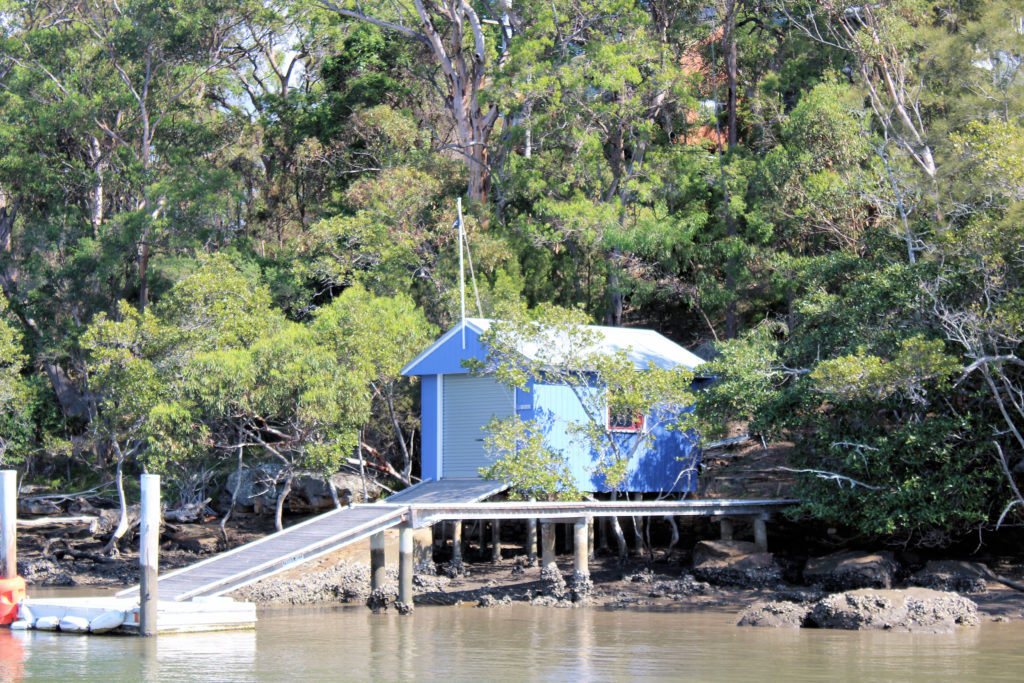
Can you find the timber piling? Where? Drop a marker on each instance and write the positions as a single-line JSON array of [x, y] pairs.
[[149, 552]]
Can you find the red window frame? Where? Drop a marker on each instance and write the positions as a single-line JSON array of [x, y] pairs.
[[635, 427]]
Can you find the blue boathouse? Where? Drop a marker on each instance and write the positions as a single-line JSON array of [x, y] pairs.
[[457, 404]]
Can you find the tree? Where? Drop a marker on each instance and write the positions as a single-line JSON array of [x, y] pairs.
[[456, 39], [880, 43], [103, 151], [526, 462], [353, 327], [15, 393], [213, 370]]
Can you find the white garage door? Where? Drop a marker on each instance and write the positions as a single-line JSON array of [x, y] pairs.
[[470, 403]]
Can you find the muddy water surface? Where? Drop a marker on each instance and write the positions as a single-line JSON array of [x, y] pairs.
[[515, 643]]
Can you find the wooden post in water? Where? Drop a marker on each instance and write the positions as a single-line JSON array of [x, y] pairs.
[[405, 534], [531, 541], [457, 541], [761, 533], [495, 541], [377, 562], [547, 547], [149, 547], [581, 549], [590, 537], [9, 523], [725, 524]]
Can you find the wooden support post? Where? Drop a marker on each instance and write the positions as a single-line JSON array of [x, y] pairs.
[[378, 564], [761, 533], [9, 523], [457, 541], [149, 549], [547, 547], [531, 541], [581, 552], [590, 537], [481, 537], [725, 524], [495, 541], [405, 533]]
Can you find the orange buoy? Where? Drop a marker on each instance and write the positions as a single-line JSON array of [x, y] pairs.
[[12, 591]]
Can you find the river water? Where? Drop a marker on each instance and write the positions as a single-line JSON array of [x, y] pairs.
[[514, 643]]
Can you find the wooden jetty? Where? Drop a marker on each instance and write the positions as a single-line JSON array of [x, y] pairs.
[[311, 539], [425, 514], [417, 507], [188, 597]]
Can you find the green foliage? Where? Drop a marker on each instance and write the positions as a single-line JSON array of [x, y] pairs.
[[747, 381], [866, 377], [214, 368], [272, 186], [932, 481], [16, 394], [523, 459]]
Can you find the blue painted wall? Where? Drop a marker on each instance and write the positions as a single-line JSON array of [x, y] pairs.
[[430, 458], [668, 464]]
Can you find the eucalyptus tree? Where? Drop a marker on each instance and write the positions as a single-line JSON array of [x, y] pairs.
[[108, 156], [596, 95], [462, 39]]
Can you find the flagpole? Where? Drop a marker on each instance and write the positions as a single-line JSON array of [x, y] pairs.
[[462, 276]]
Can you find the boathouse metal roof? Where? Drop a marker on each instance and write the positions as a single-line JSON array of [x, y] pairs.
[[643, 347]]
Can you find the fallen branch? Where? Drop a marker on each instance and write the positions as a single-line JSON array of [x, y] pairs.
[[727, 442], [91, 520], [387, 466], [832, 476], [1005, 581], [70, 496], [189, 512], [67, 551]]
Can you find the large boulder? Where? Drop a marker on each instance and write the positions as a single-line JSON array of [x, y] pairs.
[[261, 485], [916, 610], [736, 563], [912, 610], [776, 614], [953, 575], [850, 570]]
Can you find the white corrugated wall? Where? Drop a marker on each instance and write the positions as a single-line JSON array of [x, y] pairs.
[[469, 403]]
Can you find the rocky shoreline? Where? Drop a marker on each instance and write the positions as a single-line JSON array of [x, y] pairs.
[[762, 588], [717, 580]]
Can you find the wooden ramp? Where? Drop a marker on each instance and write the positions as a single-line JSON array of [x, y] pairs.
[[310, 539], [447, 492]]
